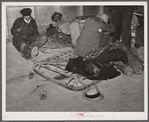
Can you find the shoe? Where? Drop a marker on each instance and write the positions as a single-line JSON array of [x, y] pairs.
[[34, 53]]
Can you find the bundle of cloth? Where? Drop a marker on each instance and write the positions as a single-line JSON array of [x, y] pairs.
[[53, 33]]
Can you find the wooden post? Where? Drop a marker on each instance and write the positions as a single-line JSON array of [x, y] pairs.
[[80, 10], [35, 14], [100, 9], [7, 24]]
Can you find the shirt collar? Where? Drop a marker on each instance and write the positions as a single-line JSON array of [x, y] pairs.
[[27, 21]]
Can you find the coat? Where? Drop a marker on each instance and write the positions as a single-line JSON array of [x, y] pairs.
[[90, 36], [28, 33]]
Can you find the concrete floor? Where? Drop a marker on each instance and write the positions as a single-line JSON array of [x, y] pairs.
[[120, 94]]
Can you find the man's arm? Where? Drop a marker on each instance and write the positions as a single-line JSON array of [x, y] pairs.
[[107, 28], [17, 27], [35, 27]]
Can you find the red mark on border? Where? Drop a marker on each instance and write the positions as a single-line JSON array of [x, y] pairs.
[[31, 89], [80, 114], [23, 66]]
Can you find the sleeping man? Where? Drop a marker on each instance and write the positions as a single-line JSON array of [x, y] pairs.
[[99, 66], [66, 27]]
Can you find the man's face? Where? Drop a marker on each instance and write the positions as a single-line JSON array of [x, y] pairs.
[[27, 17], [57, 18], [88, 68], [91, 69]]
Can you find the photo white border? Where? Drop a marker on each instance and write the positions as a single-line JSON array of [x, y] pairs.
[[72, 115]]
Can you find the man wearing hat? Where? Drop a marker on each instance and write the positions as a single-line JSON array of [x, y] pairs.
[[25, 33], [91, 35], [69, 28]]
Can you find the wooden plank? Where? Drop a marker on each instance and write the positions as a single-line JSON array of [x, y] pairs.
[[7, 25]]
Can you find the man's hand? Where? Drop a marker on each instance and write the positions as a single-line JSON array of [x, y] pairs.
[[19, 29]]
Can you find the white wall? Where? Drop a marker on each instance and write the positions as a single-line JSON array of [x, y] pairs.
[[42, 14]]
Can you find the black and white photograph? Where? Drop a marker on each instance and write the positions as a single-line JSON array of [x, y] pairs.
[[74, 61]]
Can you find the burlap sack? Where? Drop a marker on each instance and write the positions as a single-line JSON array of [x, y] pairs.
[[134, 62], [140, 53], [125, 69]]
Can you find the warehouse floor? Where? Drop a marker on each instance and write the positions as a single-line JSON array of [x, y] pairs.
[[22, 94]]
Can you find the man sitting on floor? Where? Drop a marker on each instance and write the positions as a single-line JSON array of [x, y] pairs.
[[25, 34]]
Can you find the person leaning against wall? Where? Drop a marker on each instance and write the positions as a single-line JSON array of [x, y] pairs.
[[25, 34]]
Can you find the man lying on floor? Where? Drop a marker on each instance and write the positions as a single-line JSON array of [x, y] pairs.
[[100, 66], [105, 63], [72, 28]]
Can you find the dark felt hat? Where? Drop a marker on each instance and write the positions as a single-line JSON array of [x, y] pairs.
[[26, 11], [56, 13]]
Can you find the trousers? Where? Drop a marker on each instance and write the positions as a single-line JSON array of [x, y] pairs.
[[121, 19]]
